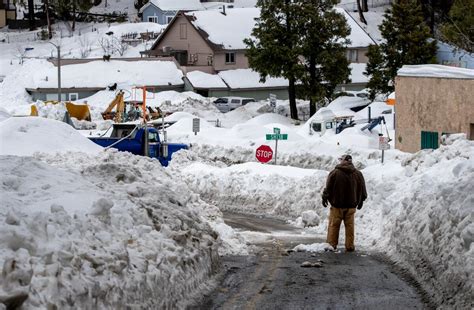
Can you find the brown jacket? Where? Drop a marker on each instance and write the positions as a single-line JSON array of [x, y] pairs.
[[345, 187]]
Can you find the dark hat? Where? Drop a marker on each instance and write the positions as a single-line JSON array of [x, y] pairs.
[[346, 158]]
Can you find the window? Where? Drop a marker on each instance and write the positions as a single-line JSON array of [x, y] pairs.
[[328, 125], [230, 58], [221, 100], [73, 96], [351, 55], [153, 19], [169, 19], [235, 101], [183, 31], [429, 140], [316, 127], [245, 101]]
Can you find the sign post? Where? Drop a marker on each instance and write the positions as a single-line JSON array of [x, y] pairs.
[[276, 136], [273, 100], [383, 145], [196, 125], [264, 153]]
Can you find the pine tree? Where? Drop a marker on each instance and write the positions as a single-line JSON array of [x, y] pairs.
[[406, 42], [324, 52], [302, 41], [274, 50], [458, 28]]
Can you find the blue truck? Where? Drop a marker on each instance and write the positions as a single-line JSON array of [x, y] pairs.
[[131, 138]]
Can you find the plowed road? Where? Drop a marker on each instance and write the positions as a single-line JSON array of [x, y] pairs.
[[274, 279]]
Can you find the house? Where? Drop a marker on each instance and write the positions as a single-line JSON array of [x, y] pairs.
[[163, 11], [7, 12], [449, 55], [212, 41], [432, 100], [85, 79], [209, 41]]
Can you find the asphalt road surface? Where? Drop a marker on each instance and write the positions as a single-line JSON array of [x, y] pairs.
[[274, 278]]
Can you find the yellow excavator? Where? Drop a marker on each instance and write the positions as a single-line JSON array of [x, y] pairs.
[[118, 115], [121, 115], [79, 111]]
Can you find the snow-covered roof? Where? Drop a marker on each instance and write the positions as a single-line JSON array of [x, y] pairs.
[[201, 79], [228, 30], [235, 4], [436, 71], [176, 5], [358, 37], [100, 74], [247, 78], [357, 73], [231, 29]]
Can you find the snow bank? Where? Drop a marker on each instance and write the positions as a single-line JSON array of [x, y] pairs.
[[107, 231], [436, 71], [428, 224], [27, 135]]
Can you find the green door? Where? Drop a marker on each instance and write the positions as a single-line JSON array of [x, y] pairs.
[[429, 140]]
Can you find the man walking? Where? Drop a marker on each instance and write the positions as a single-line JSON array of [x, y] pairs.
[[345, 191]]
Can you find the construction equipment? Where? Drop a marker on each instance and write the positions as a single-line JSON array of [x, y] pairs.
[[132, 113], [119, 114], [377, 121], [140, 140], [79, 111]]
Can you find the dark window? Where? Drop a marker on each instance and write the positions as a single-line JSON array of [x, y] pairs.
[[316, 127], [429, 140], [235, 101], [230, 58], [221, 100], [245, 101]]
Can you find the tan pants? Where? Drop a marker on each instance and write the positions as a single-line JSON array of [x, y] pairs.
[[336, 216]]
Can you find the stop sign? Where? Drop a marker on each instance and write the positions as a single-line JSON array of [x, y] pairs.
[[264, 153]]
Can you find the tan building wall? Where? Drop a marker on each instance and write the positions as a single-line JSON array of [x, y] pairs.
[[3, 18], [362, 55], [241, 62], [183, 36], [440, 105]]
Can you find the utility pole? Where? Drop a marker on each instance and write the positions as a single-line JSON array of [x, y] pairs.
[[59, 69]]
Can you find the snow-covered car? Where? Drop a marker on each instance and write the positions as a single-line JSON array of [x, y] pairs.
[[226, 104]]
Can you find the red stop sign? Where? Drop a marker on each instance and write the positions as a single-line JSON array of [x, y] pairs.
[[264, 153]]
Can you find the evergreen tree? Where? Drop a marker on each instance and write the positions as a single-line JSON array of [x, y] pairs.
[[324, 52], [458, 28], [406, 42], [302, 41], [274, 50]]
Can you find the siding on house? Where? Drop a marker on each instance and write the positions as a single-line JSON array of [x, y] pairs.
[[241, 61], [161, 15], [183, 36], [431, 104]]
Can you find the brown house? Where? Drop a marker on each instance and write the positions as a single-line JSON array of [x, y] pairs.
[[209, 41], [212, 41], [432, 100]]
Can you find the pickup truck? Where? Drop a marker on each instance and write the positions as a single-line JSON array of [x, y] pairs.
[[129, 138]]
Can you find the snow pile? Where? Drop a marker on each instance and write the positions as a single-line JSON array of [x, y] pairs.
[[113, 231], [201, 79], [26, 135], [436, 71], [429, 222]]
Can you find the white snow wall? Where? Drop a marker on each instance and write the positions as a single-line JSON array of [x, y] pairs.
[[143, 244]]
